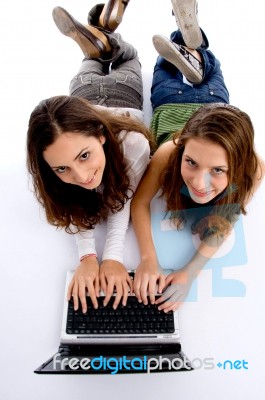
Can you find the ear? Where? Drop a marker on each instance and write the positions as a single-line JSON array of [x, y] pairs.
[[102, 139]]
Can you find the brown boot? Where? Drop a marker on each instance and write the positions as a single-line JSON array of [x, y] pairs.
[[112, 14], [92, 41]]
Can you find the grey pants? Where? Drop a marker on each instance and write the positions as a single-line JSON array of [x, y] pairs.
[[112, 82]]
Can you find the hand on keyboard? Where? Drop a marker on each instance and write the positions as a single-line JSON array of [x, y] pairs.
[[85, 280], [177, 287], [114, 277], [148, 280]]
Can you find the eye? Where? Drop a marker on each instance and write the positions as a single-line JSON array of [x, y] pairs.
[[60, 170], [190, 162], [85, 156], [218, 171]]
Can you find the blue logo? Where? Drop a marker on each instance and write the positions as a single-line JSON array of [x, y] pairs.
[[175, 248], [232, 365]]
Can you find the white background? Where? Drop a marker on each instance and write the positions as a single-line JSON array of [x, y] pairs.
[[37, 61]]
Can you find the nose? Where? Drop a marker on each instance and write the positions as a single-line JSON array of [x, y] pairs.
[[79, 175], [201, 180]]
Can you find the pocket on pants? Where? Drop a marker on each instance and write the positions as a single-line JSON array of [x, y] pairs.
[[130, 81], [80, 80], [218, 92]]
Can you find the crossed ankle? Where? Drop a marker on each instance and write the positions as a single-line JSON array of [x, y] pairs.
[[195, 53]]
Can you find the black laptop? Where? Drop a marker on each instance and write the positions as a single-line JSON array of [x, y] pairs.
[[135, 338]]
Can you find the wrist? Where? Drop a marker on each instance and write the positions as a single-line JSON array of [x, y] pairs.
[[88, 255], [192, 269], [150, 256]]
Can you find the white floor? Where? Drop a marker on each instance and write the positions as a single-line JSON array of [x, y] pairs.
[[38, 62]]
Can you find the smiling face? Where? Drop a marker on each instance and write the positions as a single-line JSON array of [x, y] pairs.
[[77, 159], [204, 169]]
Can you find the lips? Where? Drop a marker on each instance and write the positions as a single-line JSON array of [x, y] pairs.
[[199, 193], [89, 181]]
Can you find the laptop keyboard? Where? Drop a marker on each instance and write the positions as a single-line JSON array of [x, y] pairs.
[[134, 318]]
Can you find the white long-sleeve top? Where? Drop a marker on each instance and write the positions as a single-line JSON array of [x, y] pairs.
[[137, 154]]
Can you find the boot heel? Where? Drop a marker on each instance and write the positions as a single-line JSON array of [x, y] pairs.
[[112, 14]]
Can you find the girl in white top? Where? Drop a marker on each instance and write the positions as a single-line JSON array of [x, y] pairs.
[[86, 160]]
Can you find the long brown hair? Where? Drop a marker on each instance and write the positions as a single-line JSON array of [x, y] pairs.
[[232, 129], [68, 204]]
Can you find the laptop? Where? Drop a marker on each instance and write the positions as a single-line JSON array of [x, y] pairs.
[[135, 338]]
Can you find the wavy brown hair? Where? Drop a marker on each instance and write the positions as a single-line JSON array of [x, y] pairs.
[[68, 204], [232, 129]]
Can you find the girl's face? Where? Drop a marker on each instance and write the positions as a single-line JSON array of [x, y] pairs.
[[204, 169], [77, 159]]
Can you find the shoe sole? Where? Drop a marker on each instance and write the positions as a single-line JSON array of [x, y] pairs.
[[169, 52], [186, 18], [112, 14], [92, 42]]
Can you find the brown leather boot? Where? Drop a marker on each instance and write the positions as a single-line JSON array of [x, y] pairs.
[[112, 14], [92, 41]]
